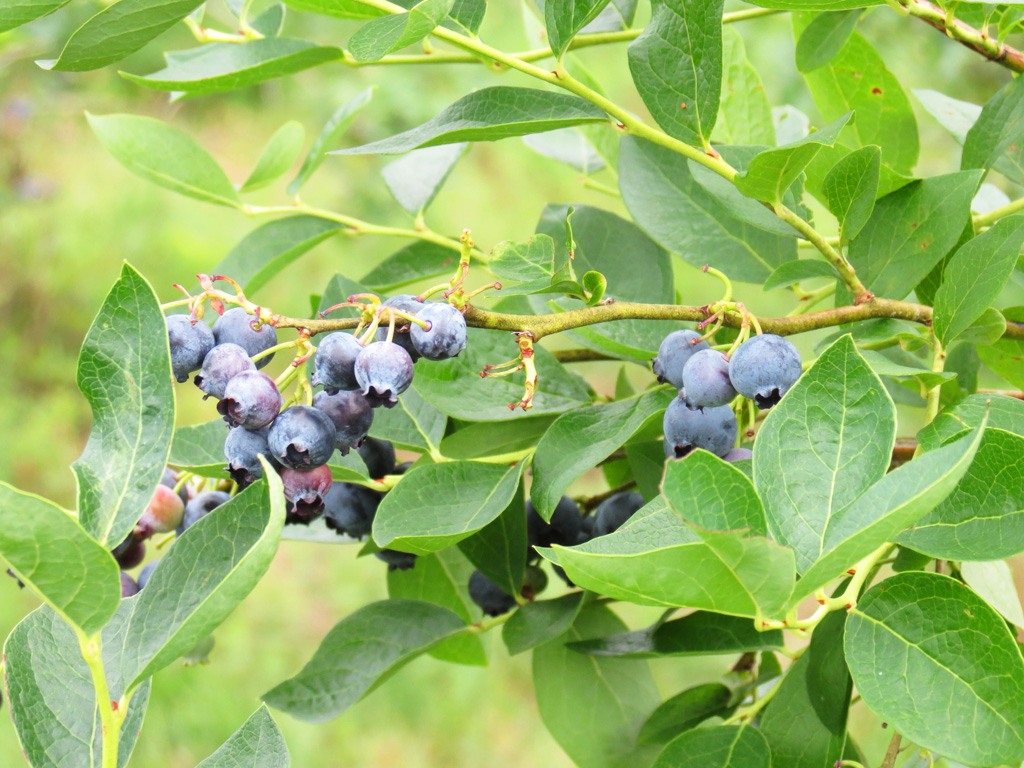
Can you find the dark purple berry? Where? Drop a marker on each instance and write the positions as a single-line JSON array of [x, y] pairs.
[[305, 490], [564, 528], [706, 379], [675, 350], [200, 507], [350, 509], [251, 400], [130, 552], [146, 572], [614, 511], [335, 362], [384, 371], [763, 369], [397, 561], [738, 454], [378, 456], [302, 437], [224, 362], [128, 586], [686, 428], [446, 336], [235, 327], [491, 598], [352, 415], [242, 450], [190, 340], [409, 304]]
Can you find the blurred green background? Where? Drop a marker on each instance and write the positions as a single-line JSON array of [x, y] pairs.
[[69, 214]]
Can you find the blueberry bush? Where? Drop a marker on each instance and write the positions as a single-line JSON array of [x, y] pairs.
[[757, 491]]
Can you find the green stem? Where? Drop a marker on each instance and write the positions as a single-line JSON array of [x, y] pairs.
[[938, 365], [110, 718], [746, 714], [597, 186], [966, 35], [845, 269], [990, 218]]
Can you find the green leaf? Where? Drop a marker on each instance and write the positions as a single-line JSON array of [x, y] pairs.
[[332, 131], [805, 723], [344, 9], [442, 578], [850, 189], [199, 448], [14, 13], [257, 744], [647, 462], [745, 115], [569, 146], [416, 179], [118, 30], [665, 200], [933, 660], [1005, 356], [496, 443], [857, 79], [580, 439], [487, 399], [539, 622], [699, 634], [593, 707], [823, 38], [270, 23], [720, 503], [411, 519], [276, 158], [414, 424], [417, 261], [986, 329], [467, 14], [219, 67], [911, 230], [999, 128], [771, 172], [490, 114], [975, 275], [899, 499], [983, 518], [124, 372], [993, 581], [827, 442], [720, 746], [796, 271], [684, 711], [50, 552], [531, 263], [565, 18], [677, 67], [887, 364], [51, 695], [360, 652], [498, 550], [734, 201], [164, 156], [382, 36], [595, 284], [954, 115], [1005, 413]]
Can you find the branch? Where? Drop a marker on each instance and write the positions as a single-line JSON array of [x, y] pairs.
[[966, 35]]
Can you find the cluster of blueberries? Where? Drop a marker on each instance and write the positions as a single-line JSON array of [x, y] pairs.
[[762, 369]]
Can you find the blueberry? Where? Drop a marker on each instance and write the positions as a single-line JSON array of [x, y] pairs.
[[352, 415], [350, 509], [763, 369], [305, 490], [200, 507], [738, 454], [675, 350], [587, 528], [190, 340], [706, 379], [378, 456], [162, 515], [686, 428], [170, 479], [223, 363], [560, 573], [397, 561], [235, 327], [410, 305], [564, 528], [493, 601], [302, 437], [614, 511], [146, 572], [335, 360], [251, 400], [128, 586], [384, 371], [130, 552], [447, 334], [242, 450]]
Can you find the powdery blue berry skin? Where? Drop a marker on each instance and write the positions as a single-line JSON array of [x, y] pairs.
[[352, 415], [397, 561], [675, 350], [493, 600], [349, 509], [706, 379], [384, 371], [305, 490], [202, 505], [763, 369], [251, 400], [145, 573], [564, 528], [738, 454], [302, 437], [128, 586], [379, 457], [335, 362], [242, 451], [223, 363], [235, 327], [686, 429], [408, 303], [447, 335], [614, 511], [190, 343]]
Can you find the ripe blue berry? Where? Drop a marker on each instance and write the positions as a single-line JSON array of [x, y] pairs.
[[706, 379], [242, 450], [162, 515], [335, 362], [397, 561], [384, 371], [235, 327], [564, 528], [200, 507], [738, 454], [614, 511], [305, 490], [128, 586], [302, 437], [352, 415], [350, 509], [146, 572], [409, 304], [446, 336], [491, 598], [675, 350], [251, 400], [190, 342], [223, 363], [378, 456], [686, 428], [763, 369]]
